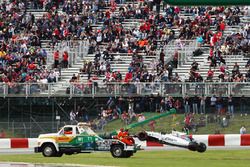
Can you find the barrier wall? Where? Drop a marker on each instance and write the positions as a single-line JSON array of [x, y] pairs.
[[18, 143], [223, 141]]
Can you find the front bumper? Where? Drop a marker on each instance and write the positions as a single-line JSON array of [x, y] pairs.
[[37, 149]]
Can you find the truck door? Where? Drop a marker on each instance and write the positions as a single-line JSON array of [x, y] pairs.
[[66, 135]]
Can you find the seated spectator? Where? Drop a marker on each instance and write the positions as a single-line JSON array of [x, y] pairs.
[[210, 75], [243, 130]]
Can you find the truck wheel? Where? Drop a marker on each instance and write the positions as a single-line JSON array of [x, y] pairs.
[[128, 154], [68, 153], [202, 147], [117, 151], [49, 150], [59, 154]]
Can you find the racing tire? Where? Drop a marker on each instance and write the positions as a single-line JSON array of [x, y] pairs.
[[117, 151], [193, 146], [202, 148], [142, 136], [49, 150]]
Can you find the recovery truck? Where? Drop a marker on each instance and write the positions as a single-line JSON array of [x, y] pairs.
[[80, 138]]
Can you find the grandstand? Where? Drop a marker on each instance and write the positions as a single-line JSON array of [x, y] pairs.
[[113, 49], [170, 32]]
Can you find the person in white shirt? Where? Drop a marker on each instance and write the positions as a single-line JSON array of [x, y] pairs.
[[243, 130], [213, 102]]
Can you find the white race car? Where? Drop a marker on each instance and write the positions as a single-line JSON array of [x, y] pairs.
[[175, 138]]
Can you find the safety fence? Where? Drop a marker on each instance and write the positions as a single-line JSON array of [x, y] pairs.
[[97, 89]]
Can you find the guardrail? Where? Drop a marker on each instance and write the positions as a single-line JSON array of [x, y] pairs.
[[184, 48], [77, 49], [100, 89]]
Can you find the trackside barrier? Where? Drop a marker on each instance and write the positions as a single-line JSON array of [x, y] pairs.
[[18, 143], [220, 141]]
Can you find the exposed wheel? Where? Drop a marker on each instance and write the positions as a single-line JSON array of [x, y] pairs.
[[117, 151], [193, 146], [49, 150], [142, 136], [202, 147]]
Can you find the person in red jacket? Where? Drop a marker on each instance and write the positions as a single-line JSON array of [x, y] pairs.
[[65, 59], [222, 26], [56, 59], [120, 134], [2, 134], [123, 135]]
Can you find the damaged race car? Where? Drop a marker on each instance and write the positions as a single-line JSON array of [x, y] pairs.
[[175, 138]]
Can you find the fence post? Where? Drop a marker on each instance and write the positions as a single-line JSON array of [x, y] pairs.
[[183, 89], [4, 90], [27, 90], [229, 89]]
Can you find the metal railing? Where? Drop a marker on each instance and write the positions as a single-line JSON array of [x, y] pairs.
[[184, 48], [77, 49], [100, 89]]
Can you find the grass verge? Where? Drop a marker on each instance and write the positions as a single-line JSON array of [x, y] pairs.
[[211, 158]]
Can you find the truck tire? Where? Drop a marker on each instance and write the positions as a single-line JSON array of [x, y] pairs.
[[117, 151], [202, 147], [59, 154], [128, 154], [49, 150], [68, 153]]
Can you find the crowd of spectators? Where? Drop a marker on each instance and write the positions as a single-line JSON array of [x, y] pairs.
[[21, 57], [23, 60], [221, 45], [112, 41]]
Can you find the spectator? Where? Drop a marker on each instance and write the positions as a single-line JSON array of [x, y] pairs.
[[141, 117], [152, 125], [65, 59], [56, 59], [243, 130], [243, 104], [213, 101], [219, 105], [187, 104], [2, 134], [231, 105], [195, 104], [73, 116], [203, 104], [224, 122]]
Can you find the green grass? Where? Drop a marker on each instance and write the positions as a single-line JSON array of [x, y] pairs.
[[211, 158], [166, 124]]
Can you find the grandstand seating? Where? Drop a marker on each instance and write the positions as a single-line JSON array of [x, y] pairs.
[[122, 61]]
